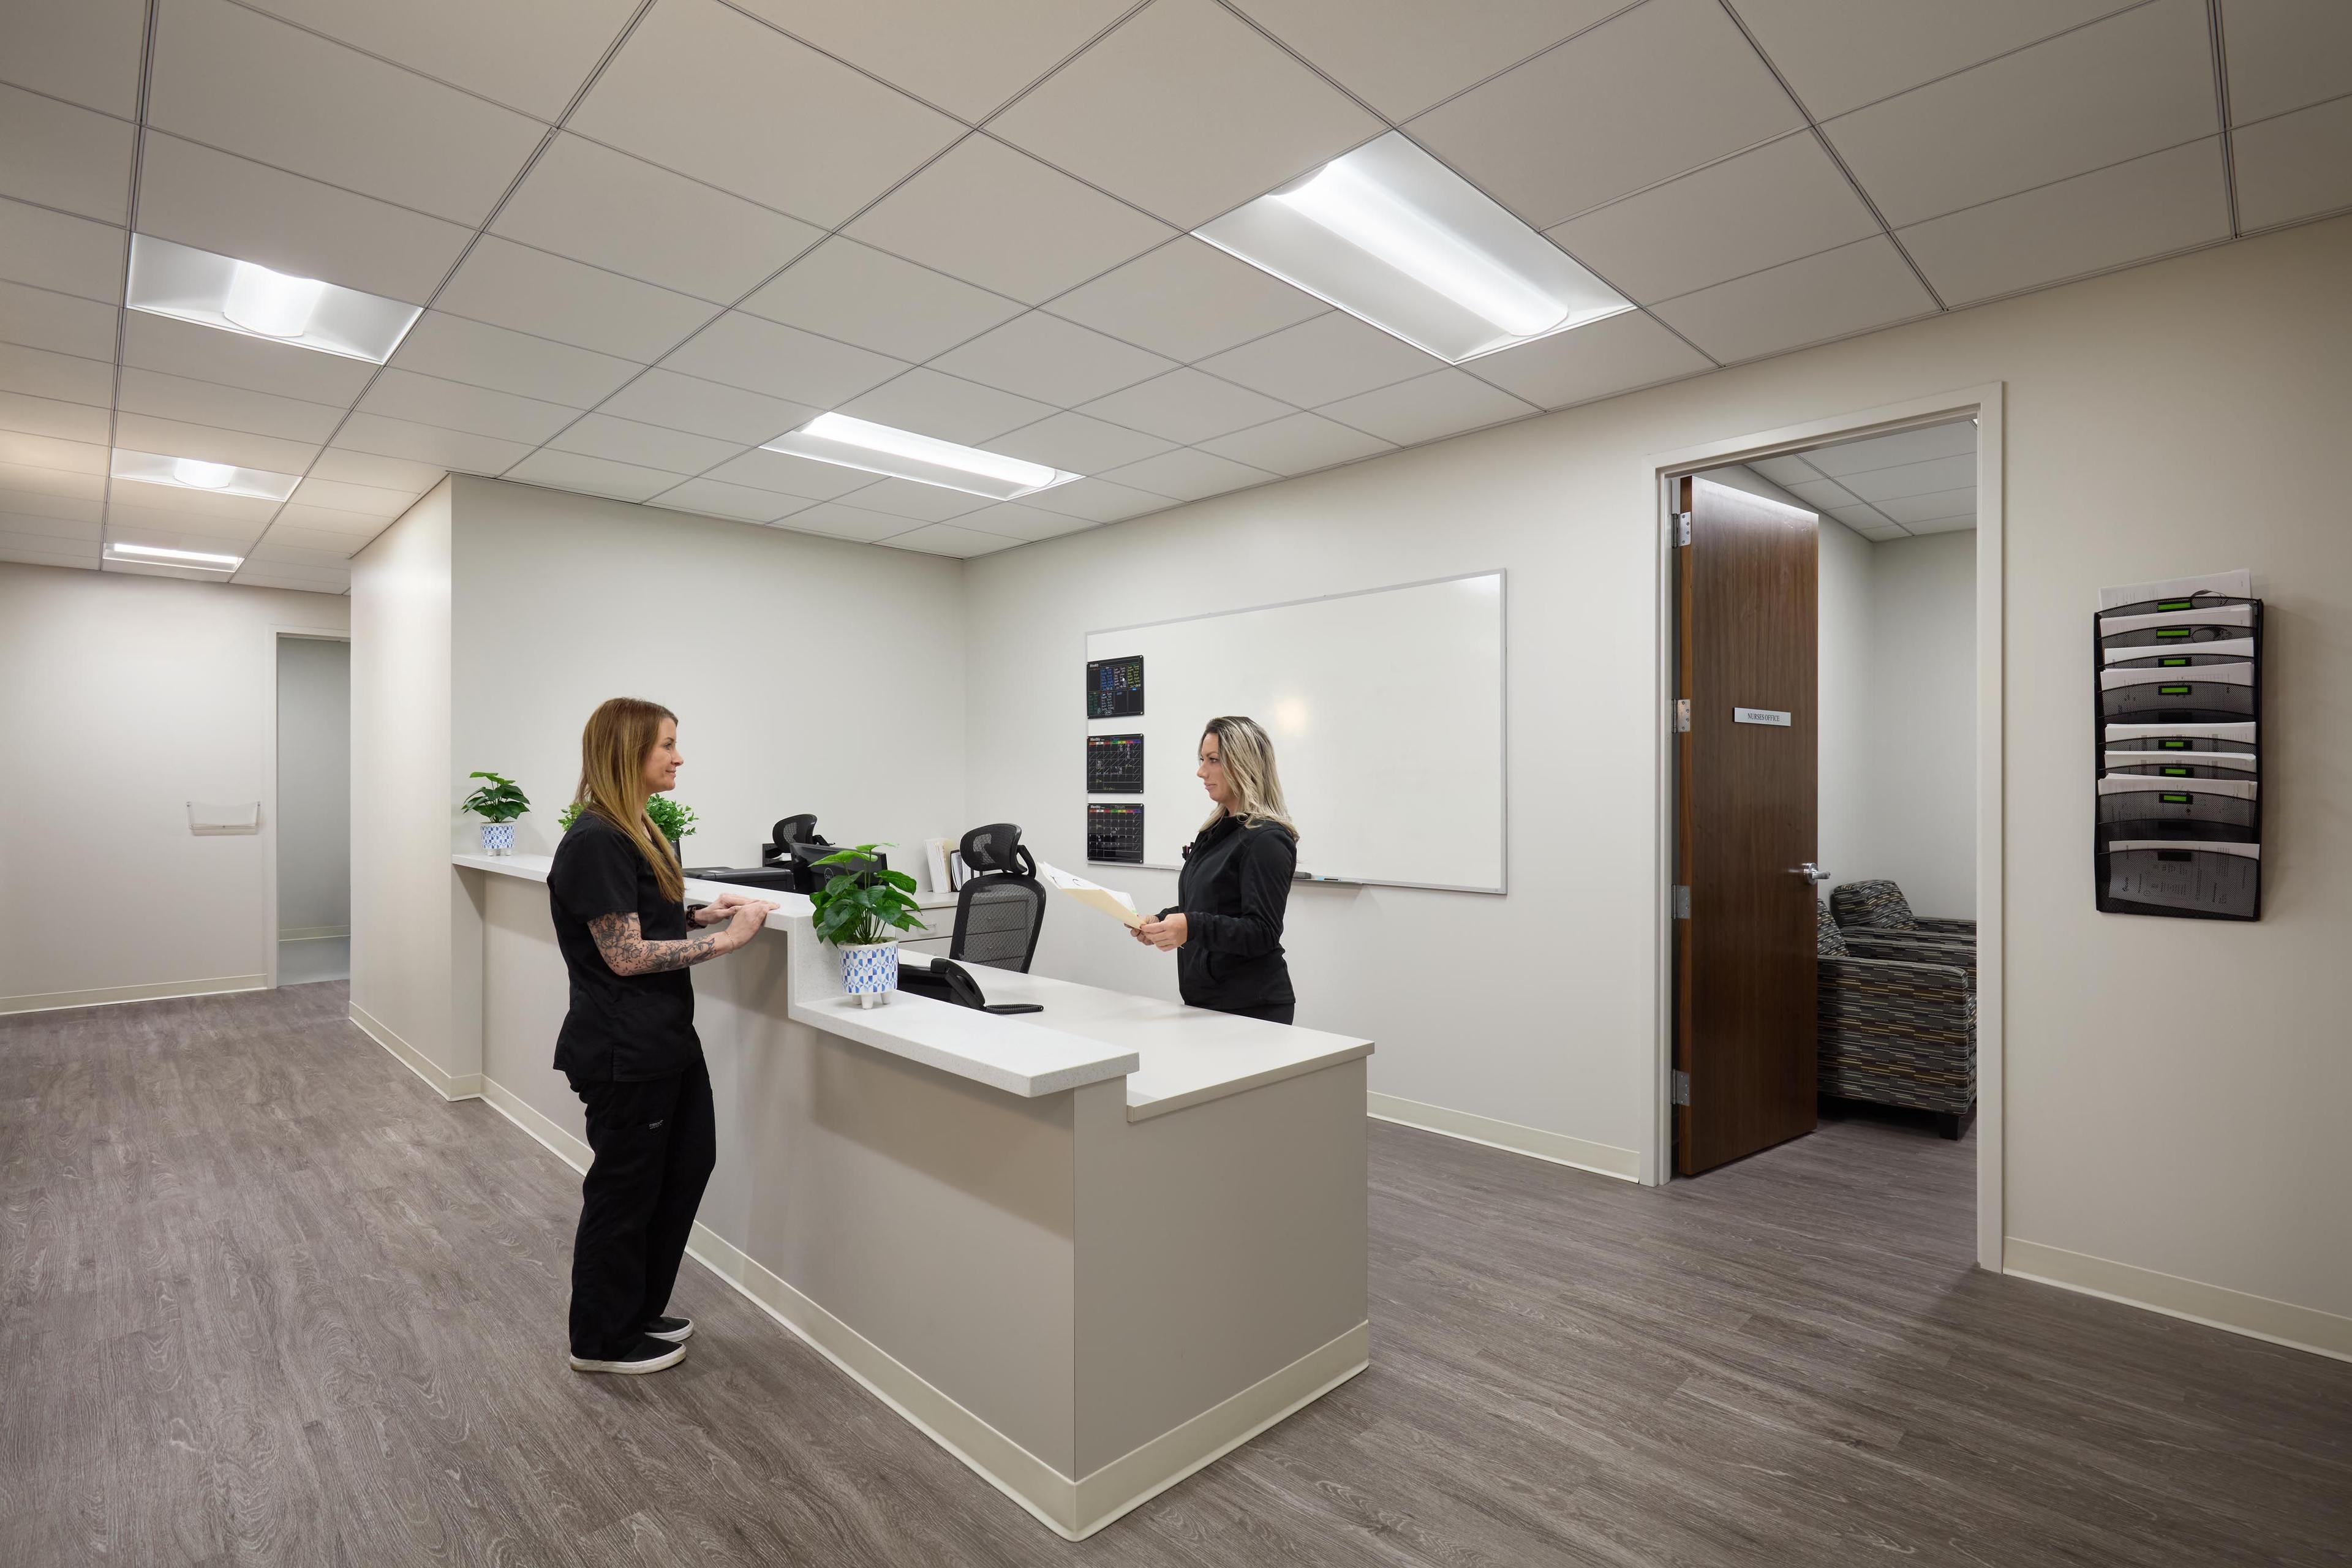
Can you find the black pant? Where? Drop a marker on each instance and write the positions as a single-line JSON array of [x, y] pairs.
[[1271, 1012], [655, 1143]]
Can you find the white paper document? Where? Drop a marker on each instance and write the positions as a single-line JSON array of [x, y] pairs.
[[1109, 900], [2238, 584]]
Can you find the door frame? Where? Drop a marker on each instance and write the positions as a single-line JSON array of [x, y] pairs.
[[275, 634], [1984, 402]]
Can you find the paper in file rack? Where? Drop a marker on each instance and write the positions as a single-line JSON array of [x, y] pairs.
[[2182, 765], [2164, 876], [1109, 900], [2218, 692], [2238, 584], [2211, 651], [2215, 809], [2212, 621], [2234, 737]]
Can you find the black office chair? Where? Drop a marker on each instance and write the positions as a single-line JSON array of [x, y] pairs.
[[1002, 905]]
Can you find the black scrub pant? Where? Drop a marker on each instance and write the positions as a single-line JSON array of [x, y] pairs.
[[655, 1143]]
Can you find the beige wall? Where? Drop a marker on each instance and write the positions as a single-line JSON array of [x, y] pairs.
[[314, 786], [2171, 1085], [1848, 636], [1919, 744], [125, 697]]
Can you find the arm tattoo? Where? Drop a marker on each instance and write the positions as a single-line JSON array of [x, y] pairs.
[[627, 951]]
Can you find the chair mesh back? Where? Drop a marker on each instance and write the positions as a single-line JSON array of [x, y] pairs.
[[996, 922]]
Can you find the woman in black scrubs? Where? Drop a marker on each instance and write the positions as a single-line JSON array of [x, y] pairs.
[[1225, 927], [629, 1044]]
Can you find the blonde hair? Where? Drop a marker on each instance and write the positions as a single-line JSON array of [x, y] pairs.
[[1247, 756], [621, 734]]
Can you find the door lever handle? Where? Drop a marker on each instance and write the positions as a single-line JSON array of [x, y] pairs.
[[1812, 873]]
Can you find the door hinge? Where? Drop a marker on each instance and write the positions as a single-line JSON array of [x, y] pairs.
[[1682, 715], [1682, 902], [1682, 1088], [1681, 528]]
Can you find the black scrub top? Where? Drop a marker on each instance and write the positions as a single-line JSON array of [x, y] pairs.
[[621, 1028], [1232, 892]]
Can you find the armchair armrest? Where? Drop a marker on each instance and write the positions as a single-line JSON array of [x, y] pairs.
[[1912, 947]]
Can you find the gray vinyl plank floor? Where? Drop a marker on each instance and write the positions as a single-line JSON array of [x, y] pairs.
[[265, 1299]]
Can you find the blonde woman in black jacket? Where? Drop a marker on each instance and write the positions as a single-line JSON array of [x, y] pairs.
[[1225, 927]]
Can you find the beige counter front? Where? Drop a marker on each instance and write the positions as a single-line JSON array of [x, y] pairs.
[[1088, 1249]]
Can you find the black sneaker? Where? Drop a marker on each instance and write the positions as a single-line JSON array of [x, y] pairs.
[[675, 1331], [645, 1355]]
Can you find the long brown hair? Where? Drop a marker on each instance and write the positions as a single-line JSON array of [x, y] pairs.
[[621, 734], [1248, 754]]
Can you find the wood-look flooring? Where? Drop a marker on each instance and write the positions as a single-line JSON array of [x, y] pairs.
[[265, 1299]]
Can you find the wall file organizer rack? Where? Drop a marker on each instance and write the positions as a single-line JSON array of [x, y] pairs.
[[2177, 684]]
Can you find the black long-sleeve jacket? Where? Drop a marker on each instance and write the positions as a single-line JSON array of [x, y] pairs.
[[1232, 893]]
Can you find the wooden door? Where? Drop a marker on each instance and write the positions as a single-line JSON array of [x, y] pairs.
[[1745, 837]]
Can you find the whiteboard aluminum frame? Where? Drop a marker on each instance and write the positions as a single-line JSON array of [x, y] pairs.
[[1502, 886]]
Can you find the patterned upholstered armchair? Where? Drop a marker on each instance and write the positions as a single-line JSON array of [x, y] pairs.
[[1879, 907], [1897, 1030]]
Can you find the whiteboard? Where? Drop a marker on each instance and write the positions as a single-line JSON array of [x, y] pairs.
[[1386, 712]]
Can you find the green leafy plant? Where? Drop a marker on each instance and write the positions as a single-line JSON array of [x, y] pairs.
[[571, 815], [500, 800], [863, 903], [675, 820]]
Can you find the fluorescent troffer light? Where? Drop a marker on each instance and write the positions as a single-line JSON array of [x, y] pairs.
[[194, 474], [157, 556], [1393, 237], [244, 297], [903, 454]]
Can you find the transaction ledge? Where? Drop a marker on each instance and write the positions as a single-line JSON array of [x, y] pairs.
[[1086, 1250]]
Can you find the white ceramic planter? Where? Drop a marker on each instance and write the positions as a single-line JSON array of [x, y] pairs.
[[869, 971], [498, 839]]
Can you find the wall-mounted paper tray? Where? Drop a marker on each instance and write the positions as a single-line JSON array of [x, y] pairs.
[[2191, 881], [2208, 694], [212, 816]]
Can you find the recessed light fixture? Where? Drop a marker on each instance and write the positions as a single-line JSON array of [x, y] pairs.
[[157, 556], [194, 474], [1393, 237], [192, 285], [902, 453]]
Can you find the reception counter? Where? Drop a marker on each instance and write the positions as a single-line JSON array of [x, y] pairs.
[[1087, 1250]]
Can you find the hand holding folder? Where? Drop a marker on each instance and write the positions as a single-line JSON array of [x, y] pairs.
[[1109, 900]]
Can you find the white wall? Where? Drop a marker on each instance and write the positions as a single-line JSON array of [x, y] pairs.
[[124, 696], [2175, 419], [1920, 740], [1846, 645], [314, 786]]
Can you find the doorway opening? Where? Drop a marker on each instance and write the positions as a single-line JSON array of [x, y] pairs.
[[313, 818]]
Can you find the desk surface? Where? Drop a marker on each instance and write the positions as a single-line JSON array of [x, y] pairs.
[[1171, 1055]]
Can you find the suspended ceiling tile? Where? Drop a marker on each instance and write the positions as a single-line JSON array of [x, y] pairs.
[[1916, 510], [1840, 54], [55, 250], [761, 355], [787, 475], [835, 521], [917, 503], [2115, 90], [350, 499], [450, 449], [86, 51], [30, 473], [40, 373], [43, 525], [331, 522], [850, 291], [230, 408], [455, 405], [233, 359], [20, 449], [1401, 55], [274, 548], [945, 407], [60, 156], [946, 538], [1827, 494], [2285, 54], [976, 212], [293, 579], [249, 84], [179, 438], [1601, 95], [646, 445], [530, 54], [1190, 473], [677, 232], [1096, 500], [968, 60], [179, 529], [62, 324], [1954, 439], [716, 498], [2295, 167], [510, 284], [1611, 355], [70, 510], [591, 475], [456, 349], [1052, 359], [1296, 444], [1014, 520], [1955, 524], [1187, 299], [177, 506], [1850, 289], [1861, 519], [1878, 485], [233, 207], [1788, 470], [39, 550], [1077, 444], [1186, 111], [1773, 203], [1427, 408], [1186, 406], [2151, 206], [702, 407], [708, 91], [1335, 355]]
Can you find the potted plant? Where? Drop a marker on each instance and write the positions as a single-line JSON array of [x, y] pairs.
[[856, 910], [675, 820], [498, 802]]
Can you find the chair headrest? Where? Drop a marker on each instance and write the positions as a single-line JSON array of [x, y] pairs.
[[801, 829], [995, 848]]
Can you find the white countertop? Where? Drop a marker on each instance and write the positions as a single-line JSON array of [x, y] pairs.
[[1171, 1055]]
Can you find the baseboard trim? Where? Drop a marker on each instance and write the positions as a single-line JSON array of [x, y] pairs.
[[449, 1086], [106, 995], [1073, 1510], [1600, 1159], [313, 934], [2215, 1306]]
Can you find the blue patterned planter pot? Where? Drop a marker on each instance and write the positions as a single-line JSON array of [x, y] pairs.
[[869, 971], [498, 839]]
